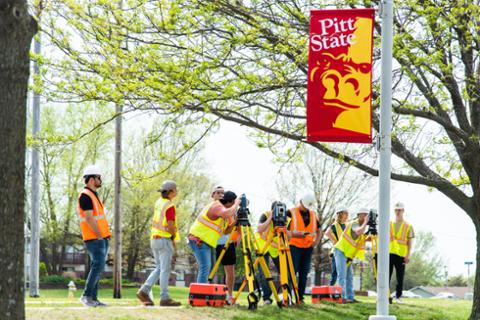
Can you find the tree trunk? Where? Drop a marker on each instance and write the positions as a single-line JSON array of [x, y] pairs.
[[131, 263], [475, 314], [16, 31]]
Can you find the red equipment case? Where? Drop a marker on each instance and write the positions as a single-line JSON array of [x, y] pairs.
[[207, 295], [327, 293]]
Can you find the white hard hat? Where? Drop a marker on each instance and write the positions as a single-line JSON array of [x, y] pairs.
[[399, 205], [92, 170], [308, 200], [363, 210], [341, 209]]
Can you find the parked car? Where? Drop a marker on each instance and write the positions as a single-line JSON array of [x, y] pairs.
[[409, 294], [406, 294], [371, 293]]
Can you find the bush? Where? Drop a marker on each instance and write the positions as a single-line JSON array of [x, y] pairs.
[[42, 269], [54, 279]]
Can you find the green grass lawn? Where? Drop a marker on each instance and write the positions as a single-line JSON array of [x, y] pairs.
[[54, 305]]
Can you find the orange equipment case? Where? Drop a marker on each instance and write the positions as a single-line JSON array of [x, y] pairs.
[[206, 294], [327, 293]]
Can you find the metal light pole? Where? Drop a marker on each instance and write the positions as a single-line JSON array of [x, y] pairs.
[[385, 162]]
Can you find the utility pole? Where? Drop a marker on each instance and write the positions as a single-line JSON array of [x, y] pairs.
[[35, 213], [385, 144], [117, 225], [117, 264]]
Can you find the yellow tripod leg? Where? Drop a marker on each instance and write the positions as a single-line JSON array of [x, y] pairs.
[[289, 262], [220, 257], [260, 260], [249, 270]]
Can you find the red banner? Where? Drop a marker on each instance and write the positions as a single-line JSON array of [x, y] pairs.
[[339, 89]]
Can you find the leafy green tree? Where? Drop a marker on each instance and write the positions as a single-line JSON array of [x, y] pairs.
[[424, 269], [64, 156], [457, 281], [246, 61], [147, 161], [426, 265]]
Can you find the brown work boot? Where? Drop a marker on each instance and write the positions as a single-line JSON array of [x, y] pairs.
[[169, 303], [145, 298]]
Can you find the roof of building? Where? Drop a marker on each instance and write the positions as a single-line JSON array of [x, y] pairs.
[[457, 291]]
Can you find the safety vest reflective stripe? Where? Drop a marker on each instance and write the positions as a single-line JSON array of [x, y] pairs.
[[158, 224], [98, 216], [207, 230], [215, 227], [83, 219], [399, 239], [311, 228], [350, 247], [352, 242], [401, 235]]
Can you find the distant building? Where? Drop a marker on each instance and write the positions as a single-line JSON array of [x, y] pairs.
[[429, 292]]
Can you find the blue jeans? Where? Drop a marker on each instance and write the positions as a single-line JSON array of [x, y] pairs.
[[162, 250], [345, 275], [266, 291], [302, 258], [205, 256], [333, 279], [97, 250]]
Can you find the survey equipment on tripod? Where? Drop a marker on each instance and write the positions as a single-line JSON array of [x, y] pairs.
[[243, 212], [372, 222], [248, 244], [278, 238], [279, 214]]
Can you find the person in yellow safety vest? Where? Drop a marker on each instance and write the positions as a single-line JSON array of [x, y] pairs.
[[333, 233], [211, 223], [95, 233], [401, 239], [265, 230], [350, 245], [230, 257], [304, 233], [164, 233]]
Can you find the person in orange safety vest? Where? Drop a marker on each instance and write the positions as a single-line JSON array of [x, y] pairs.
[[95, 233], [304, 233]]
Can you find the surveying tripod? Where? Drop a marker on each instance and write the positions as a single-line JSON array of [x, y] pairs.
[[248, 242], [286, 267]]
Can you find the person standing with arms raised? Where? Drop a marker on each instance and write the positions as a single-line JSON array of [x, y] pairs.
[[95, 233], [213, 221], [164, 233], [351, 245], [333, 233], [229, 258]]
